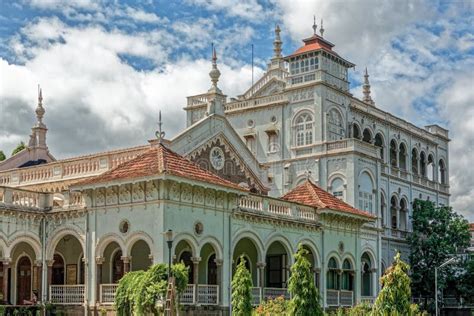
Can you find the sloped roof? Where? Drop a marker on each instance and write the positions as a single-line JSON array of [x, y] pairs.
[[310, 194], [159, 160]]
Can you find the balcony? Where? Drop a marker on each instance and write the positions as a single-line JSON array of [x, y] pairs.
[[277, 208], [67, 294], [257, 102], [107, 293], [339, 298]]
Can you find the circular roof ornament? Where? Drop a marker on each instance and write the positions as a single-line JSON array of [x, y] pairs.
[[216, 157]]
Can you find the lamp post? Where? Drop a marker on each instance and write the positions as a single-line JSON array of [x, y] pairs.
[[169, 240], [449, 261]]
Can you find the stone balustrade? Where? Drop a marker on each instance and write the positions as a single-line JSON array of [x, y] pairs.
[[256, 102], [279, 208], [25, 199], [68, 169]]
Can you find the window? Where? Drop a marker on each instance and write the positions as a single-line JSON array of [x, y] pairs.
[[366, 285], [347, 276], [403, 215], [414, 161], [335, 126], [393, 212], [379, 143], [402, 156], [393, 154], [272, 143], [332, 282], [423, 164], [383, 207], [250, 142], [337, 188], [430, 168], [355, 131], [367, 136], [304, 129], [296, 80], [441, 172], [366, 192]]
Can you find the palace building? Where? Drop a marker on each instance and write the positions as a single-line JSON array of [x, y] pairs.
[[295, 159]]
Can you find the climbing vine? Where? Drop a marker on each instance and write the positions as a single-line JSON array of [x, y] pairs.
[[138, 292]]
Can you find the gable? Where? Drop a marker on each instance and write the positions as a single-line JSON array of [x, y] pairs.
[[214, 132], [273, 86]]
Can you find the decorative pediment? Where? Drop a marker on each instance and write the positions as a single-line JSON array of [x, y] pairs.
[[274, 86]]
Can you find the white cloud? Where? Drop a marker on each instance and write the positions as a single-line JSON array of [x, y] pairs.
[[247, 9]]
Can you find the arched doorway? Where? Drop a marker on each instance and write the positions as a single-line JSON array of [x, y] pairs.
[[23, 280], [117, 266], [58, 270], [212, 270], [140, 254], [247, 248], [185, 258], [276, 266]]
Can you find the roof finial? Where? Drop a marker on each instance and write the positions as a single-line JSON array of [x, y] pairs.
[[39, 109], [160, 134], [214, 73], [366, 88], [314, 24], [321, 28], [277, 42]]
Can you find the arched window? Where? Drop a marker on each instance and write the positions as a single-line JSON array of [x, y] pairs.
[[402, 156], [403, 214], [393, 212], [117, 267], [337, 188], [355, 131], [335, 125], [366, 286], [332, 275], [379, 143], [393, 153], [383, 208], [303, 128], [347, 276], [367, 136], [423, 164], [366, 195], [58, 270], [430, 168], [441, 172], [212, 270], [414, 161]]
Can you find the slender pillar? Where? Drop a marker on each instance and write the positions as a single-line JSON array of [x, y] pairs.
[[38, 278], [261, 277], [196, 261], [50, 274], [98, 261], [219, 263], [6, 266], [126, 264], [316, 272]]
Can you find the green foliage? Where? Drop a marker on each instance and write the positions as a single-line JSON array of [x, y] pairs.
[[437, 233], [273, 307], [395, 296], [304, 295], [18, 148], [466, 283], [139, 291], [242, 290], [2, 157], [362, 309]]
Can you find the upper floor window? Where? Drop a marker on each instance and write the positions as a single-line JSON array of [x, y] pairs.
[[366, 195], [335, 126], [304, 65], [379, 143], [441, 172], [337, 188], [303, 128]]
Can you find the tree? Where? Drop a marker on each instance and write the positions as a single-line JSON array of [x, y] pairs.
[[242, 290], [438, 232], [304, 295], [395, 296], [2, 155], [18, 148], [466, 284]]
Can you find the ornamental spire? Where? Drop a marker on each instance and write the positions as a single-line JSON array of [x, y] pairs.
[[160, 134], [277, 42], [366, 89], [315, 27], [214, 73], [321, 29], [39, 108]]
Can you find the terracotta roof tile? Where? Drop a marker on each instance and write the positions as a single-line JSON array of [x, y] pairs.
[[160, 160], [310, 194]]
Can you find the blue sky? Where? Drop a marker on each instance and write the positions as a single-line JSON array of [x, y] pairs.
[[107, 67]]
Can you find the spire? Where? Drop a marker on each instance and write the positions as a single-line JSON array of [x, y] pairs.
[[366, 89], [277, 42], [315, 27], [39, 109], [321, 29], [160, 134], [214, 73]]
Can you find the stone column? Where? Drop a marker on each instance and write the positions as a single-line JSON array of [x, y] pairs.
[[196, 261], [6, 266], [38, 275], [98, 261], [261, 277], [316, 272], [126, 264], [219, 263], [50, 275]]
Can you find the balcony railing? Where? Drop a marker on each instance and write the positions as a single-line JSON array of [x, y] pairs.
[[278, 208], [187, 297], [25, 199], [107, 293], [270, 292], [339, 298], [260, 101], [208, 294], [256, 295], [367, 299], [67, 294]]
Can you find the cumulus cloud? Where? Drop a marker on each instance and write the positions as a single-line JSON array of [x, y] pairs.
[[248, 9]]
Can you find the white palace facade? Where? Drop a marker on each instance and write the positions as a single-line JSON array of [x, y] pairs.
[[295, 159]]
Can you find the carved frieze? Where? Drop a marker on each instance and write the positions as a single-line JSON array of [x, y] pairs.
[[335, 165]]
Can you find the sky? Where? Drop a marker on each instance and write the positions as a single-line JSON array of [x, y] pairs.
[[107, 67]]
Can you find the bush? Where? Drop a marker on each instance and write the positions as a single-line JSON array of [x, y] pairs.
[[242, 290], [273, 307]]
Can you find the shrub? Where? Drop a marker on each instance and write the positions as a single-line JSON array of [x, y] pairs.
[[273, 307], [242, 290]]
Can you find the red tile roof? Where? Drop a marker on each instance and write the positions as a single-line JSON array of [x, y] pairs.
[[310, 194], [160, 160], [471, 226]]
